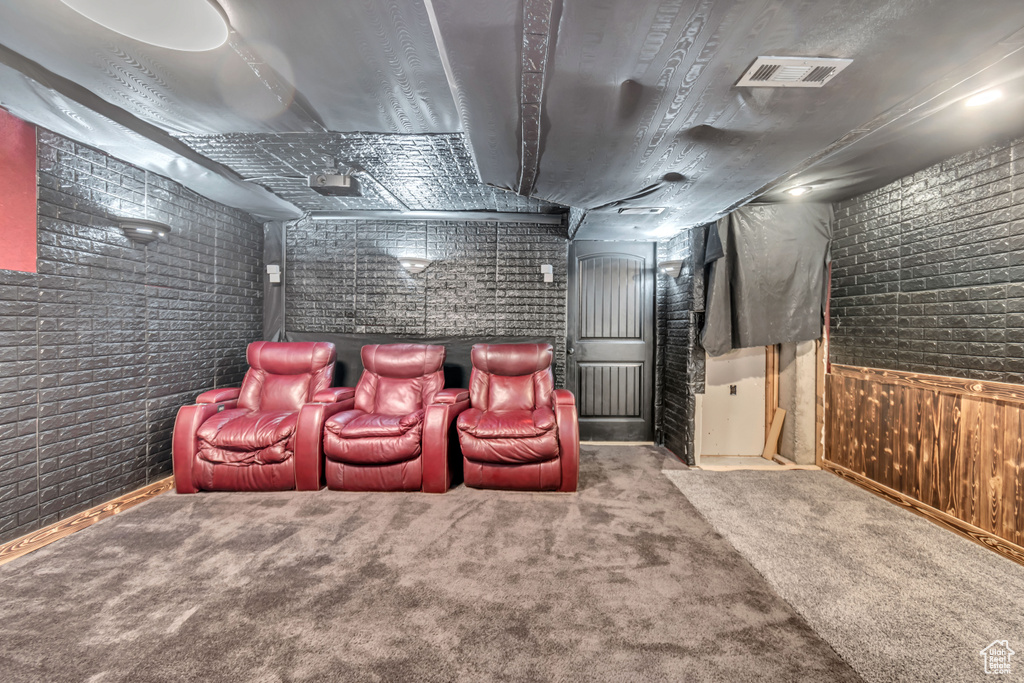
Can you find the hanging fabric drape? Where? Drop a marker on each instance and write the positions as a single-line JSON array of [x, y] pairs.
[[767, 280]]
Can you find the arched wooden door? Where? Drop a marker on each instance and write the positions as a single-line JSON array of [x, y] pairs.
[[611, 338]]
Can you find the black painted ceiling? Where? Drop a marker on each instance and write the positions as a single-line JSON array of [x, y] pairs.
[[594, 104]]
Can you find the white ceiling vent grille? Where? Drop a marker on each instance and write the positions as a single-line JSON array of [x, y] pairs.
[[792, 72]]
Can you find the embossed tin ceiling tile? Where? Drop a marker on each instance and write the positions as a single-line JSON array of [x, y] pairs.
[[429, 172]]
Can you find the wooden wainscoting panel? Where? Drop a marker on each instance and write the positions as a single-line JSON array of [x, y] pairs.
[[954, 446], [1012, 472], [66, 527], [996, 390]]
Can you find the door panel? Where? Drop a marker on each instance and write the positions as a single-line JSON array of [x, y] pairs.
[[611, 338]]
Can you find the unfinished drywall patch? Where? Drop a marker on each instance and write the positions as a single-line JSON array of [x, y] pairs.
[[797, 387], [732, 417]]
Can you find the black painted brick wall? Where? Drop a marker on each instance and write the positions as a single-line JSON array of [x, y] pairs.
[[679, 362], [928, 272], [484, 280], [101, 346]]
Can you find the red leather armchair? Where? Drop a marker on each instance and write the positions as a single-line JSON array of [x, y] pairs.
[[520, 432], [399, 435], [264, 436]]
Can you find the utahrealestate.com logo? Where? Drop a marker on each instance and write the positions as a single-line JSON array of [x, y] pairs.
[[997, 657]]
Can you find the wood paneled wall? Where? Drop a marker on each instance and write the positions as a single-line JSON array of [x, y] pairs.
[[950, 449]]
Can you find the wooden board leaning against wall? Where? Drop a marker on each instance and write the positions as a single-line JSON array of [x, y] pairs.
[[951, 450]]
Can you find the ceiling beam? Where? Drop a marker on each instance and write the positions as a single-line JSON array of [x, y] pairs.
[[467, 216]]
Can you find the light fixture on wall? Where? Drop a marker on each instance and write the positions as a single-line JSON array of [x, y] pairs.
[[187, 25], [414, 265], [671, 268], [142, 231]]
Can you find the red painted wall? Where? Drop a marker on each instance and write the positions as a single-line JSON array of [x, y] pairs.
[[17, 194]]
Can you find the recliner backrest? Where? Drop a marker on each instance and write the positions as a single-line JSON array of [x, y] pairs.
[[511, 376], [399, 379], [284, 375]]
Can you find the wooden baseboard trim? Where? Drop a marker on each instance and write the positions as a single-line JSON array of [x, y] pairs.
[[47, 535], [1010, 551]]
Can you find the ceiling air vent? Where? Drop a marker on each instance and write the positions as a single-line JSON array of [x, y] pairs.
[[641, 210], [792, 72]]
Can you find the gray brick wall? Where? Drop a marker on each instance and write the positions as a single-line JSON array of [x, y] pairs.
[[928, 272], [101, 346], [484, 279]]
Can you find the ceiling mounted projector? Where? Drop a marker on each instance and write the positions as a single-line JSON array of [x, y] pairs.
[[335, 185]]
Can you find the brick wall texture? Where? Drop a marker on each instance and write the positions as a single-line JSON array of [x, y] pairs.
[[102, 345], [484, 279], [680, 359], [928, 272]]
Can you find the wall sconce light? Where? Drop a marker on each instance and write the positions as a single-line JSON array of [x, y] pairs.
[[671, 268], [142, 231], [274, 273], [414, 265], [548, 272]]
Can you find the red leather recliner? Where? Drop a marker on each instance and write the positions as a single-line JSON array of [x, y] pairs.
[[264, 436], [398, 436], [520, 432]]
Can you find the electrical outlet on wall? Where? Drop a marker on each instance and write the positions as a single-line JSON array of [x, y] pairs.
[[732, 389], [548, 272]]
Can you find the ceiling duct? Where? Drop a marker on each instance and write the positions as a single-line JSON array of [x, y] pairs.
[[792, 72]]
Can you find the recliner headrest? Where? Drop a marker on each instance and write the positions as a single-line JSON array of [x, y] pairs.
[[402, 361], [512, 360], [290, 358]]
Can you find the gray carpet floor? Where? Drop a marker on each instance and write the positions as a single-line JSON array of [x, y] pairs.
[[621, 582], [898, 597]]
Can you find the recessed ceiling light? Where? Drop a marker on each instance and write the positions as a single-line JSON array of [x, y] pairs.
[[188, 25], [984, 97], [800, 190]]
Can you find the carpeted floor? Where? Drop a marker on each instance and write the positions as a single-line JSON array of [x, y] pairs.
[[898, 597], [622, 582]]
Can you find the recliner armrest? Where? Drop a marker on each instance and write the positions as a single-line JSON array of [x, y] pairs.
[[451, 396], [219, 395], [334, 394], [562, 397], [441, 453]]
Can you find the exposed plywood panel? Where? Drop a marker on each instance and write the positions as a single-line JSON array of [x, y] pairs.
[[952, 445]]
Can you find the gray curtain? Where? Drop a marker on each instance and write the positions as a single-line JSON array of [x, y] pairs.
[[273, 293], [767, 280]]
